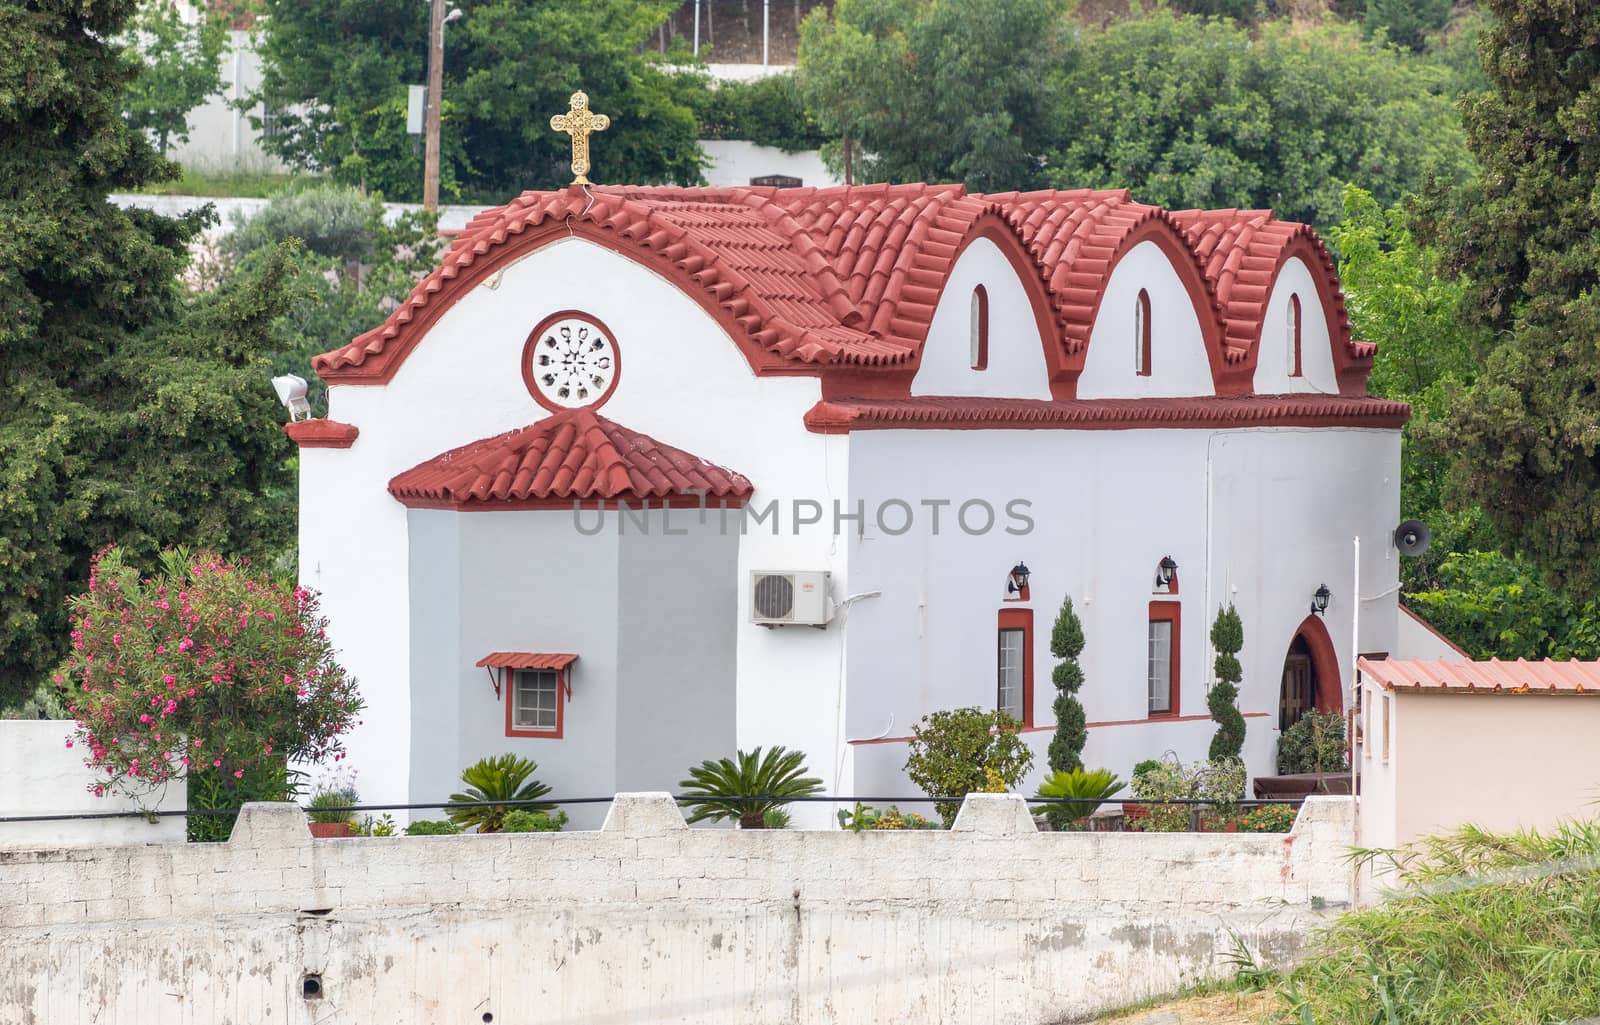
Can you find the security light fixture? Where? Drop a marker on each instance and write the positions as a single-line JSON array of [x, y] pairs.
[[1319, 600], [1017, 582], [1166, 572], [291, 389], [454, 15]]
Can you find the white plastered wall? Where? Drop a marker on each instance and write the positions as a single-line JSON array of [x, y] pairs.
[[682, 381], [1016, 367], [1179, 365], [1273, 359], [1271, 511]]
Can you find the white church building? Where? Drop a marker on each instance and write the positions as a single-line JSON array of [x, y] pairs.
[[639, 476]]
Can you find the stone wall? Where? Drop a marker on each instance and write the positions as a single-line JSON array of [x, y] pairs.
[[41, 775], [648, 921]]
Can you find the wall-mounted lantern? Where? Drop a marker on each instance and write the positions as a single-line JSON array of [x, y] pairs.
[[1166, 572], [1017, 582], [1319, 600]]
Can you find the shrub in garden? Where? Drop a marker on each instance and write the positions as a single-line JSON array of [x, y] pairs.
[[432, 827], [505, 778], [1314, 744], [1090, 788], [723, 789], [1268, 818], [324, 799], [208, 672], [958, 752], [1227, 637], [519, 820], [1065, 752], [866, 817], [1219, 783]]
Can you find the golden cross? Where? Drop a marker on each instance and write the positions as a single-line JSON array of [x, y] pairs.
[[578, 123]]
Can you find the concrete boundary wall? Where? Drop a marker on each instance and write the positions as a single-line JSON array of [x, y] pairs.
[[649, 921]]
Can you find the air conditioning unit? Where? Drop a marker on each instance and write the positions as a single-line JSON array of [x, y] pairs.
[[790, 598]]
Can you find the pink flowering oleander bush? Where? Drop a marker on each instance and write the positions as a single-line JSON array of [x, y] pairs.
[[209, 672]]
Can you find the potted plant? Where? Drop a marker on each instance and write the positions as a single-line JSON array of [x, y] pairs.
[[1087, 789], [1133, 811], [748, 787], [505, 778], [327, 822]]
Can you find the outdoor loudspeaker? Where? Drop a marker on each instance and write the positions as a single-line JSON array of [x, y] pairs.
[[1412, 538]]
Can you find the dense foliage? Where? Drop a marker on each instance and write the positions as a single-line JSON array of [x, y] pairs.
[[180, 67], [963, 751], [1487, 928], [129, 412], [1187, 112], [1315, 743], [1065, 753], [934, 90], [337, 74], [767, 111], [1227, 637], [747, 787], [1524, 439], [205, 669], [1495, 606]]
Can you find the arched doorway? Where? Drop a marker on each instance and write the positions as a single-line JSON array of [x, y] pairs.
[[1310, 674]]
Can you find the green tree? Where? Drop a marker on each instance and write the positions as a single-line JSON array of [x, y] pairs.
[[1407, 23], [1525, 434], [1065, 753], [129, 413], [1399, 297], [337, 72], [1495, 606], [768, 111], [1227, 637], [930, 90], [1188, 112], [180, 67]]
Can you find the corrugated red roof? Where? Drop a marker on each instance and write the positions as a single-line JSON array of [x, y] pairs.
[[812, 279], [568, 457], [1493, 676], [526, 660], [840, 416]]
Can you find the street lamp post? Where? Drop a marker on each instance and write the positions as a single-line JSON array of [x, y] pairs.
[[437, 20]]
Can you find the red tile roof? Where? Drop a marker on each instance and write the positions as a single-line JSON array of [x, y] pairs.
[[1493, 676], [808, 280], [1242, 251], [526, 660], [576, 456], [318, 433], [840, 416]]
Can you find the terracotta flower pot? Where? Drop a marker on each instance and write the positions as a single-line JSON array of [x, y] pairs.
[[1133, 811], [332, 829]]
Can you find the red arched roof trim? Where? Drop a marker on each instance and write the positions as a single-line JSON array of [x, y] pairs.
[[1324, 661]]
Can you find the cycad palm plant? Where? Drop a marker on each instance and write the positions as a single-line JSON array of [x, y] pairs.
[[748, 786], [1088, 788], [497, 779]]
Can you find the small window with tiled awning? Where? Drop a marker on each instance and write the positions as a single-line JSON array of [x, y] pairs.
[[536, 686]]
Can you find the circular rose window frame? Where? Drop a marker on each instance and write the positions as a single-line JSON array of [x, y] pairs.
[[533, 339]]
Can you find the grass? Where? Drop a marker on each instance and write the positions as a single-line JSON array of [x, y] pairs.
[[222, 184], [1501, 929]]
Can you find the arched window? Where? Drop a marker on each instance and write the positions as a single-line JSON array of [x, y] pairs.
[[1141, 334], [1292, 336], [980, 328]]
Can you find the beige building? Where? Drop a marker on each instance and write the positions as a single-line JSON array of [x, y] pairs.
[[1502, 745]]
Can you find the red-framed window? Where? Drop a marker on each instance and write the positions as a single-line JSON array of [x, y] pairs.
[[1162, 669], [535, 701], [1014, 665], [980, 328], [1292, 333], [1141, 334]]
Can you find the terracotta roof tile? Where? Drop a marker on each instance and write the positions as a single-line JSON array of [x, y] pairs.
[[839, 416], [568, 457], [1492, 676], [526, 660], [849, 276]]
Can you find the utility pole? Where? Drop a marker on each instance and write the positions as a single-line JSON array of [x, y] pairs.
[[430, 129]]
